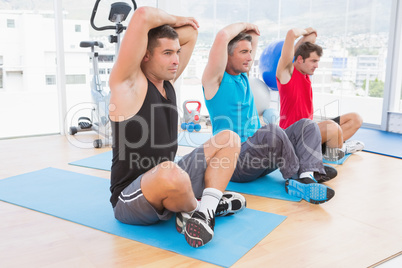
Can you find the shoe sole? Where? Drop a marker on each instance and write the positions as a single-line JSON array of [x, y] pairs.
[[197, 233], [313, 193], [181, 223]]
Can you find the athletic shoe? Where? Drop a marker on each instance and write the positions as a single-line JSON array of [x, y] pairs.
[[181, 220], [353, 146], [309, 190], [333, 154], [230, 203], [330, 171], [199, 229]]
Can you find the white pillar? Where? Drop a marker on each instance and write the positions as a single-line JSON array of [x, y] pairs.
[[61, 73], [393, 76]]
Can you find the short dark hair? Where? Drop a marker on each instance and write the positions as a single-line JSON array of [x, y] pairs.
[[164, 31], [305, 49], [240, 37]]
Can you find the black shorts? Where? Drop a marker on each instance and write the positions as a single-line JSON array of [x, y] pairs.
[[133, 208], [337, 120]]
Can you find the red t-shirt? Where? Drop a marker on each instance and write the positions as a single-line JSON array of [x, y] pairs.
[[296, 98]]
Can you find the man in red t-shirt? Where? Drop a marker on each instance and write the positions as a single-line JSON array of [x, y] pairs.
[[296, 94]]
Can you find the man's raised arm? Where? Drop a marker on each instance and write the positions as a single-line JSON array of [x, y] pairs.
[[128, 83], [285, 64], [187, 39], [218, 55]]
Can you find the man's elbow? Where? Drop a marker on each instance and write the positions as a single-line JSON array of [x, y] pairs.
[[142, 15], [193, 32], [223, 35], [292, 34]]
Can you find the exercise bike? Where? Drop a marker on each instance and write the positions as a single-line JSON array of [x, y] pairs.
[[99, 121]]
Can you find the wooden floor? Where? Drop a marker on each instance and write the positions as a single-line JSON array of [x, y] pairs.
[[359, 227]]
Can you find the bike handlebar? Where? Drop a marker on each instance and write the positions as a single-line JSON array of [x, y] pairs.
[[95, 9]]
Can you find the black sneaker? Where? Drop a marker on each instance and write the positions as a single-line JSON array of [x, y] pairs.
[[199, 229], [330, 171], [181, 220], [230, 203], [309, 190]]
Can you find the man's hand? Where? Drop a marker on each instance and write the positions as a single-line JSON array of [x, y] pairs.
[[249, 27], [182, 21], [309, 31]]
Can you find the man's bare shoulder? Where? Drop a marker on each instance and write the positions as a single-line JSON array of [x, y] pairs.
[[127, 97], [285, 74]]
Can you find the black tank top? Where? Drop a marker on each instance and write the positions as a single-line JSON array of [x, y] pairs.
[[144, 140]]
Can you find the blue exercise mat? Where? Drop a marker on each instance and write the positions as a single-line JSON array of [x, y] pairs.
[[338, 162], [271, 185], [84, 200], [380, 142], [101, 161]]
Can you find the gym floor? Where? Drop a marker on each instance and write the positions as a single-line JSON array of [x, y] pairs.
[[359, 227]]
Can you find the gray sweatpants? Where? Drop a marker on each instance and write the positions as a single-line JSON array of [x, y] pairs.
[[294, 150]]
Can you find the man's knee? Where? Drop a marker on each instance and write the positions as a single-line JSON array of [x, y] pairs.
[[330, 127], [171, 176], [357, 120], [353, 119], [308, 126], [227, 138]]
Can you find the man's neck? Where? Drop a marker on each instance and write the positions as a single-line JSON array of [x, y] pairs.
[[231, 71], [158, 84], [298, 69]]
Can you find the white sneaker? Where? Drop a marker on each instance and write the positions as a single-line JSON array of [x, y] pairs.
[[230, 203], [353, 146]]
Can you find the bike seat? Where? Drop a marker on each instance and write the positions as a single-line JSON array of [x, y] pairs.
[[91, 44]]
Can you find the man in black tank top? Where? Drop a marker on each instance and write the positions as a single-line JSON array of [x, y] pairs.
[[146, 184]]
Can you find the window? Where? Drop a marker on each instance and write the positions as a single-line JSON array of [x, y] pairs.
[[50, 79], [10, 23], [74, 79], [354, 38], [1, 72], [24, 64], [1, 77], [352, 72]]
